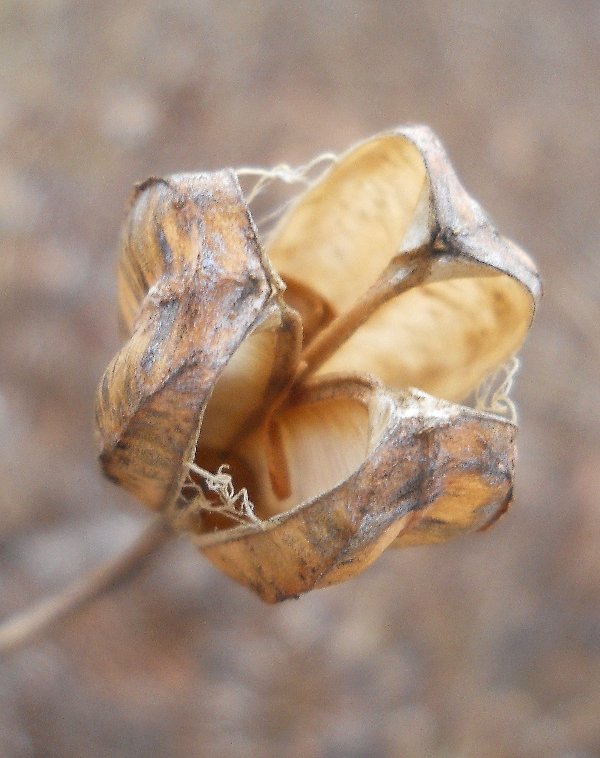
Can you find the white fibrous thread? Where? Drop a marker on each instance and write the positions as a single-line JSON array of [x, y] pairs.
[[234, 505], [287, 174], [492, 395]]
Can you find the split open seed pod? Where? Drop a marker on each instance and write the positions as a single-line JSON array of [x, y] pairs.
[[299, 405]]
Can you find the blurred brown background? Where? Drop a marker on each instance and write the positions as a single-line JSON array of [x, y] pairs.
[[489, 646]]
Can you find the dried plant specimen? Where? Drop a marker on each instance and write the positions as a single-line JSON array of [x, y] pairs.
[[297, 405]]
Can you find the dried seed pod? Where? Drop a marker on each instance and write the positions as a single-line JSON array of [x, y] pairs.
[[395, 279]]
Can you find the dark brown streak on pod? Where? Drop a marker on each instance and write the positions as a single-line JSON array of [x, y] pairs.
[[165, 319], [165, 247]]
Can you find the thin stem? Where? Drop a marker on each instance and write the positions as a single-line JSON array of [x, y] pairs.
[[26, 625], [402, 273]]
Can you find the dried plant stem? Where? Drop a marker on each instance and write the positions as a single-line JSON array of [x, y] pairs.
[[26, 625], [402, 273]]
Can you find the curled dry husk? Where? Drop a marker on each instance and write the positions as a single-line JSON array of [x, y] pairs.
[[327, 371]]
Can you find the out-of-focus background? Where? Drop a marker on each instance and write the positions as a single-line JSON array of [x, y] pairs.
[[486, 647]]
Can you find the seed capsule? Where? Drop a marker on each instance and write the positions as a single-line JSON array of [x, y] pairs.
[[296, 410]]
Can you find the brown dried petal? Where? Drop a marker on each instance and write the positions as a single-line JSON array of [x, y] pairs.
[[193, 285], [408, 454], [388, 196]]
